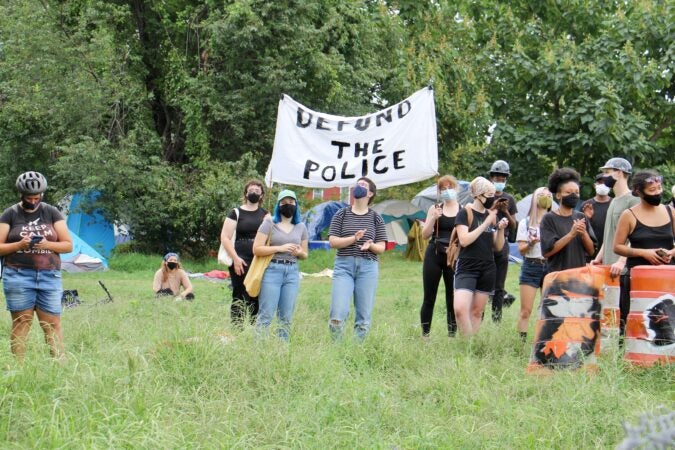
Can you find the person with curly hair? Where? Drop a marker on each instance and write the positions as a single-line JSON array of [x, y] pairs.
[[566, 234]]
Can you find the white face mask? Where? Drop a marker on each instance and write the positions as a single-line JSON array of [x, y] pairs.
[[601, 189]]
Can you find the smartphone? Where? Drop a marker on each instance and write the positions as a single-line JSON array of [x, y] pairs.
[[35, 240], [662, 253], [533, 232]]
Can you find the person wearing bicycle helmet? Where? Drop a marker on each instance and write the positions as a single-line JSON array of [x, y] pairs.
[[506, 208], [33, 234]]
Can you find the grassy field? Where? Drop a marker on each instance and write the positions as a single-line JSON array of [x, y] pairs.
[[148, 373]]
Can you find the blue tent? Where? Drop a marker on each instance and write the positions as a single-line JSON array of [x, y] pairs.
[[83, 258], [93, 228], [318, 218]]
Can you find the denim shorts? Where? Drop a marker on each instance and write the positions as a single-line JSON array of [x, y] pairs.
[[532, 273], [30, 289]]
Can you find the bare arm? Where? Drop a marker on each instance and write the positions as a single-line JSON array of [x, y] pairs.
[[64, 243], [226, 234], [187, 285], [430, 222], [342, 242]]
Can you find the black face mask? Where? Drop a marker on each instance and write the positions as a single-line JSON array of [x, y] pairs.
[[489, 201], [570, 200], [172, 265], [287, 210], [608, 181], [654, 200], [28, 205], [253, 197]]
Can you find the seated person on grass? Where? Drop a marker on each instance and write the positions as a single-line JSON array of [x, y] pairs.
[[170, 278]]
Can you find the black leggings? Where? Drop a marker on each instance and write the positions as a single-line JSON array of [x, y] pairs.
[[502, 265], [242, 303], [435, 266]]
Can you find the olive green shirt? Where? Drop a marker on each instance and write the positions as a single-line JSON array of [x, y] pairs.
[[618, 206]]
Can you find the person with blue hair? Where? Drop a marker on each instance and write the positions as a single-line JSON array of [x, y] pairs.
[[285, 237], [170, 278]]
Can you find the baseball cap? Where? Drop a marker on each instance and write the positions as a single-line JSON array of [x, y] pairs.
[[618, 164], [286, 193], [599, 177]]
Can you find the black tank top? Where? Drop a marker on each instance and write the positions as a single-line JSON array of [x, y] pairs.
[[644, 236], [444, 229]]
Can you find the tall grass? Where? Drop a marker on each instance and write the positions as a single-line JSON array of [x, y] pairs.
[[143, 372]]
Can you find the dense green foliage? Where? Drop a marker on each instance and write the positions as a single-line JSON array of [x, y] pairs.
[[147, 373], [166, 107]]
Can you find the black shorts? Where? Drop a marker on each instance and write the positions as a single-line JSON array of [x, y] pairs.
[[476, 276]]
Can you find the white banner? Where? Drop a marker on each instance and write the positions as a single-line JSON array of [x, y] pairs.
[[394, 146]]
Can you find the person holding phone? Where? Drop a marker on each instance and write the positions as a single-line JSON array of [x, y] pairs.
[[649, 228], [566, 235], [33, 234], [480, 237], [438, 226], [506, 209], [534, 264]]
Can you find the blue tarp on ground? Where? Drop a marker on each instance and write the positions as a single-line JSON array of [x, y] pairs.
[[93, 228]]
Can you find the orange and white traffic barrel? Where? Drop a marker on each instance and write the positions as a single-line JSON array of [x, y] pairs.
[[650, 336], [567, 334]]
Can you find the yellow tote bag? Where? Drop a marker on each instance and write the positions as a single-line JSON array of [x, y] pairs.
[[255, 273]]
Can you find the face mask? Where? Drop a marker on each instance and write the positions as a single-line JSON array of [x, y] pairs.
[[500, 185], [448, 194], [172, 265], [360, 191], [489, 201], [602, 189], [654, 200], [545, 202], [28, 205], [609, 181], [570, 201], [287, 210], [253, 197]]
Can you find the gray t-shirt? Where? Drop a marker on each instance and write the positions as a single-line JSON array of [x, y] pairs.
[[279, 237], [618, 205]]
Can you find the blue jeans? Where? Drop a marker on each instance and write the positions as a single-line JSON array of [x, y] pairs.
[[278, 292], [353, 277], [31, 288]]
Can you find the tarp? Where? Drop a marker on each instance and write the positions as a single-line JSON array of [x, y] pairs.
[[93, 228], [417, 245], [83, 258], [429, 196], [318, 218]]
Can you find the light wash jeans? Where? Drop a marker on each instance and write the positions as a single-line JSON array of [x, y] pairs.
[[278, 292], [352, 277]]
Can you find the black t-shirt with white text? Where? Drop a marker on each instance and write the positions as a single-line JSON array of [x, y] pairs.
[[36, 223]]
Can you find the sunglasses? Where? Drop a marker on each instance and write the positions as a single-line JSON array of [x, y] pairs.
[[654, 179]]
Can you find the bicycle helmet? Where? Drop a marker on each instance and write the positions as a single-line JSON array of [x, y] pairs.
[[500, 167], [31, 183]]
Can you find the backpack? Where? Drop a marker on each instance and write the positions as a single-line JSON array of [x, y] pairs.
[[454, 246]]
